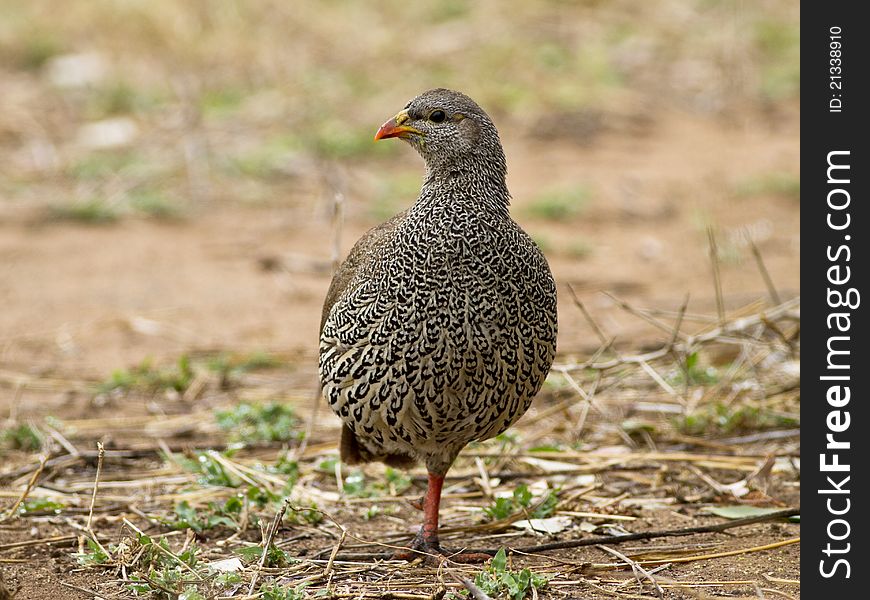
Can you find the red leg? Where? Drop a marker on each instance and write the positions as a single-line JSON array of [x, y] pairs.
[[426, 542], [431, 504]]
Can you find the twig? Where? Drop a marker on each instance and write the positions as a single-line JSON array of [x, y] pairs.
[[14, 509], [768, 281], [635, 567], [697, 557], [647, 535], [717, 280], [474, 591], [586, 314], [60, 439], [734, 327], [607, 539], [267, 542], [328, 570], [86, 591], [58, 539], [101, 452], [638, 313]]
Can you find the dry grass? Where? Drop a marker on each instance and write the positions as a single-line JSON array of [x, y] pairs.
[[613, 441]]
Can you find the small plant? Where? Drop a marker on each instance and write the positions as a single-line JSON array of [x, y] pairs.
[[579, 249], [521, 499], [721, 418], [275, 557], [21, 437], [231, 366], [304, 516], [273, 591], [152, 203], [93, 211], [92, 556], [101, 164], [270, 422], [333, 139], [559, 205], [694, 373], [215, 515], [498, 581], [774, 184], [40, 505], [146, 377], [394, 483]]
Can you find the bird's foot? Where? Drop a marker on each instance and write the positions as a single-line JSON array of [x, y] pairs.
[[433, 554]]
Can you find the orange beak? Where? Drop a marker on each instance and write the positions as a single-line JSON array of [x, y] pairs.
[[395, 127]]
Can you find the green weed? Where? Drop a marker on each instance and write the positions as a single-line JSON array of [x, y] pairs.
[[395, 482], [21, 437], [272, 422], [231, 367], [273, 591], [719, 418], [559, 204], [93, 211], [498, 581], [786, 185], [521, 499], [149, 378]]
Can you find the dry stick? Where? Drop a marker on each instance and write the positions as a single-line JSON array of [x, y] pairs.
[[679, 322], [768, 281], [635, 567], [607, 539], [60, 439], [474, 591], [58, 539], [86, 591], [639, 313], [101, 453], [697, 557], [785, 595], [267, 541], [584, 411], [586, 314], [328, 570], [717, 281], [646, 535], [736, 326], [14, 510]]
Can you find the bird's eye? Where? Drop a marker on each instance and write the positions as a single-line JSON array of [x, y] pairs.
[[438, 116]]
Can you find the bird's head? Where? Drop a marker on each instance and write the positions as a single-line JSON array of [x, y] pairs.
[[450, 131]]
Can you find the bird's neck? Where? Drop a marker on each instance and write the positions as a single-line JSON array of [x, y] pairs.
[[481, 189]]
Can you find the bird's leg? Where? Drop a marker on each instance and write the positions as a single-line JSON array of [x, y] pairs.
[[431, 505], [426, 542]]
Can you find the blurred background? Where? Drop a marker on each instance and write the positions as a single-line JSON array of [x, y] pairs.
[[177, 178]]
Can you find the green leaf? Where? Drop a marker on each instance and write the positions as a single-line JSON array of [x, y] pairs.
[[499, 561]]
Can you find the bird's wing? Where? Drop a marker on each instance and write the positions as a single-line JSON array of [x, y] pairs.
[[346, 271]]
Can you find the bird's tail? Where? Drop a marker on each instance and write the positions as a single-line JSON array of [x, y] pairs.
[[354, 453]]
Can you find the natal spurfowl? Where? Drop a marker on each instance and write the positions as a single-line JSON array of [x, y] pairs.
[[440, 326]]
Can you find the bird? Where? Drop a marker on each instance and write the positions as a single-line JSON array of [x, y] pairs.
[[439, 327]]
